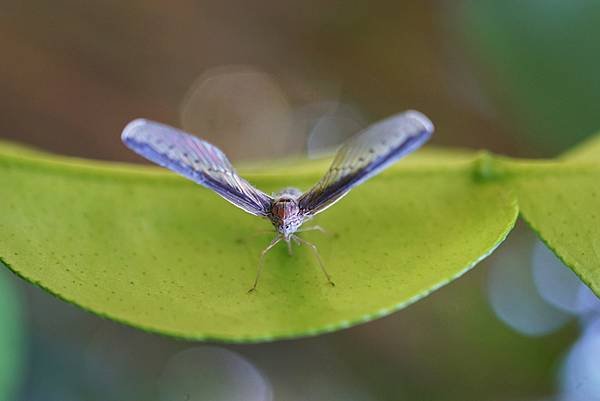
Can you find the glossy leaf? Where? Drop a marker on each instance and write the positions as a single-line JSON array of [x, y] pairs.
[[147, 248]]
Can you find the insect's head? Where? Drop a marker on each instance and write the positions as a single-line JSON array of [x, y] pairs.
[[285, 215]]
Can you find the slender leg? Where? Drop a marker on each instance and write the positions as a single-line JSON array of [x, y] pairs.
[[289, 245], [316, 252], [262, 259], [313, 228]]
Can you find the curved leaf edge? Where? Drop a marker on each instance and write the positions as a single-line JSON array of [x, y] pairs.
[[285, 336], [558, 253]]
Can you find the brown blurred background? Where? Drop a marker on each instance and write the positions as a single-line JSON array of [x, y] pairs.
[[75, 73]]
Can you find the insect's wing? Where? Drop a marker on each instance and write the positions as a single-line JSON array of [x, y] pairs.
[[365, 155], [195, 159]]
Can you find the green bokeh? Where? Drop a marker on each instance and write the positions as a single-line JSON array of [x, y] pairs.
[[12, 342], [541, 60]]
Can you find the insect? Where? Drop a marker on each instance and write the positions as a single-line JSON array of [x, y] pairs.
[[358, 159]]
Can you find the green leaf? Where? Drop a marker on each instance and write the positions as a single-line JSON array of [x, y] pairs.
[[152, 250], [588, 151], [12, 339], [561, 202]]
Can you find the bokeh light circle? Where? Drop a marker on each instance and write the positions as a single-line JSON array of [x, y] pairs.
[[240, 106], [512, 292], [212, 373]]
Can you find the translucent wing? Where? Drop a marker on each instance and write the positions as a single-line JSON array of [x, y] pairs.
[[365, 155], [195, 159]]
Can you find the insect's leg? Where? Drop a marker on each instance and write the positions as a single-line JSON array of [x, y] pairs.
[[262, 260], [289, 245], [313, 228], [316, 252]]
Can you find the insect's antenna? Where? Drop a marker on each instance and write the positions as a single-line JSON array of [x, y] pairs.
[[262, 259], [316, 252]]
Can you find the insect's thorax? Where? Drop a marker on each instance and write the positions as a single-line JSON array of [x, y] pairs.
[[285, 213]]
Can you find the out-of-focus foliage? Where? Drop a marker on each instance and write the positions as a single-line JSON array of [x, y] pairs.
[[12, 341], [541, 60]]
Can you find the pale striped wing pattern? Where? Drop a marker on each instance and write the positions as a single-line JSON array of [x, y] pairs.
[[365, 155], [195, 159]]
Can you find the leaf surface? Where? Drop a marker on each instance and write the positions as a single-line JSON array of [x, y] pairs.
[[145, 247]]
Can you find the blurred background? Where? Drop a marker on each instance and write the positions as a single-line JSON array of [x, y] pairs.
[[267, 79]]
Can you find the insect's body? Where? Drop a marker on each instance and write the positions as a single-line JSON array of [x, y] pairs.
[[357, 160], [285, 214]]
